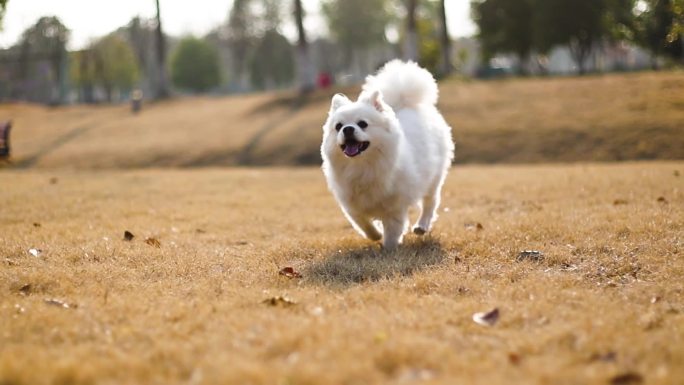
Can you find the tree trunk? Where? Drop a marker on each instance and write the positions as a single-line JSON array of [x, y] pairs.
[[411, 38], [162, 86], [445, 40], [305, 68]]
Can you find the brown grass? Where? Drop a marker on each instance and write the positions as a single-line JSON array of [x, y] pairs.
[[596, 118], [604, 306]]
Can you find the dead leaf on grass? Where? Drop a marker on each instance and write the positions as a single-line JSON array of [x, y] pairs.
[[488, 318], [514, 358], [618, 202], [153, 242], [628, 378], [25, 289], [128, 236], [604, 357], [60, 303], [474, 226], [279, 301], [530, 255], [290, 272], [35, 252]]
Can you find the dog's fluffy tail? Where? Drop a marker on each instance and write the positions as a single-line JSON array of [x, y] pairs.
[[403, 85]]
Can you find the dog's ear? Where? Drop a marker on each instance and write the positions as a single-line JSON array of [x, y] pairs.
[[374, 98], [338, 101]]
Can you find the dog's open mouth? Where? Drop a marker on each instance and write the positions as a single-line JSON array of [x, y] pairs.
[[353, 147]]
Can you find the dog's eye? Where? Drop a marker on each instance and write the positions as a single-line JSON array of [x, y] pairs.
[[338, 126], [362, 124]]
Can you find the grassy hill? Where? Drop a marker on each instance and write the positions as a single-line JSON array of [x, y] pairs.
[[595, 118]]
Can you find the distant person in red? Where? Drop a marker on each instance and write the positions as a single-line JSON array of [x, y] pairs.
[[324, 80]]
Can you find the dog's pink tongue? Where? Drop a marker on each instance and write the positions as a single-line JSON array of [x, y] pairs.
[[352, 149]]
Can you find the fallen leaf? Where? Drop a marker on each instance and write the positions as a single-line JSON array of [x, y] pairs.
[[514, 358], [36, 224], [530, 255], [604, 357], [153, 242], [279, 301], [290, 272], [662, 200], [618, 202], [60, 303], [628, 378], [25, 289], [487, 318], [474, 226], [35, 252], [128, 236]]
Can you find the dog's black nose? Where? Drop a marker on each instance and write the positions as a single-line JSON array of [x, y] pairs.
[[348, 131]]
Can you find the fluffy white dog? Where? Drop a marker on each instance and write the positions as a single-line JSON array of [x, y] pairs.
[[388, 151]]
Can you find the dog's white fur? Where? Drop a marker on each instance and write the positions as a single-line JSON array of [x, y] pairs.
[[409, 153]]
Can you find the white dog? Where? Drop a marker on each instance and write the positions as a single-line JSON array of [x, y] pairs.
[[388, 151]]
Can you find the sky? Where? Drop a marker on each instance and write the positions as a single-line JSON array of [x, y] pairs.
[[89, 19]]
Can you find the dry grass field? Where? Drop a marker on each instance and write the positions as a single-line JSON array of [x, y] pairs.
[[604, 304], [595, 118]]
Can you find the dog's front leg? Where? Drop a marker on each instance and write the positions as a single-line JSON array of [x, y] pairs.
[[394, 227], [364, 225]]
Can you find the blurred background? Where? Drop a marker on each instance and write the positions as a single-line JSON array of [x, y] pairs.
[[286, 57]]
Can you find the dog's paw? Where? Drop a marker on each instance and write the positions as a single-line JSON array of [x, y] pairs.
[[419, 230]]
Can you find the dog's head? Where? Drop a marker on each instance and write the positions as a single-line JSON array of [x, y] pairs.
[[358, 129]]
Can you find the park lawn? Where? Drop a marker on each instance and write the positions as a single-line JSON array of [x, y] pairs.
[[604, 305], [594, 118]]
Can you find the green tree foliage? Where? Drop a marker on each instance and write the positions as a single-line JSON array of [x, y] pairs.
[[272, 62], [3, 7], [579, 24], [116, 65], [505, 26], [109, 63], [45, 40], [357, 24], [195, 65], [659, 27], [526, 26]]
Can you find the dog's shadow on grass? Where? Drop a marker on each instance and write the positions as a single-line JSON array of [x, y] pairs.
[[368, 264]]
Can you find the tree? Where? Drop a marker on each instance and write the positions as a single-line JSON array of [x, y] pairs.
[[272, 62], [445, 41], [579, 24], [108, 63], [46, 40], [305, 69], [195, 65], [163, 84], [411, 37], [115, 65], [659, 28], [506, 26], [3, 7], [356, 24]]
